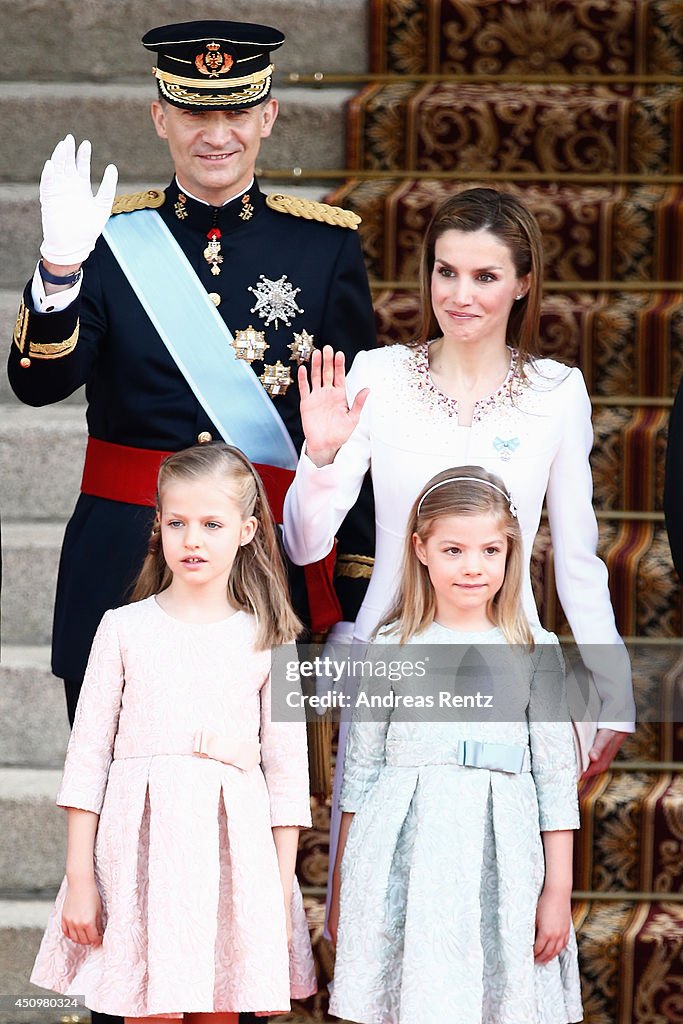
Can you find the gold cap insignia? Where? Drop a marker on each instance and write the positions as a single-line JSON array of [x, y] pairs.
[[213, 61]]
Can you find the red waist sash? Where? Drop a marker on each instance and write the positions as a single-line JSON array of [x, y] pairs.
[[121, 473]]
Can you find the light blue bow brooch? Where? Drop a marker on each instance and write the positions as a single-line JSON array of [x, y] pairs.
[[506, 448]]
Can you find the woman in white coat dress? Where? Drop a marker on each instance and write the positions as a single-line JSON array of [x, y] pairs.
[[468, 391]]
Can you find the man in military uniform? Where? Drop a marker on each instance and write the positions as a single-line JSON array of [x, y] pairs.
[[284, 275]]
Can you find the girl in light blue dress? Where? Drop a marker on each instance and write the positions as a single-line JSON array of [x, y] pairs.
[[452, 883]]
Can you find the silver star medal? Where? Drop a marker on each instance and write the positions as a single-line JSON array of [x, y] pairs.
[[275, 300]]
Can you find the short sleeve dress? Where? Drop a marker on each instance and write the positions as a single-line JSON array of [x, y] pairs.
[[444, 862], [184, 859]]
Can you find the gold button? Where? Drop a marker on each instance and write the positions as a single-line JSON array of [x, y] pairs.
[[25, 363], [204, 438], [215, 298]]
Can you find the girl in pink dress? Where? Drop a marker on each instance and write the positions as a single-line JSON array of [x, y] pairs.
[[184, 799]]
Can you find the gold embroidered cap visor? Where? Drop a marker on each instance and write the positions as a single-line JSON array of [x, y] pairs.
[[213, 65]]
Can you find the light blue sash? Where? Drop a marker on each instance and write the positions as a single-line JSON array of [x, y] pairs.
[[197, 337]]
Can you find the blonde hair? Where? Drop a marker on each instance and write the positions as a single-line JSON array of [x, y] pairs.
[[258, 580], [447, 494], [503, 215]]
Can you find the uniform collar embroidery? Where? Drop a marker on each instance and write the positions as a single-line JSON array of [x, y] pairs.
[[236, 215]]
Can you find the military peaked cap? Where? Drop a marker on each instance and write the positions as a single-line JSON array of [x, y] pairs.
[[213, 65]]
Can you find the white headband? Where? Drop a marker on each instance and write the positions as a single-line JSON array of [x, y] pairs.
[[474, 480]]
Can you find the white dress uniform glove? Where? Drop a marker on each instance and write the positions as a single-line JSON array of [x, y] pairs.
[[73, 218]]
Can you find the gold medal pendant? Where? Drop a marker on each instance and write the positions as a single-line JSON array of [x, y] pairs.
[[249, 344], [276, 379], [212, 253], [302, 347]]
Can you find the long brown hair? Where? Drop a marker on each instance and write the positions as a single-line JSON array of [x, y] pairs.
[[501, 213], [258, 582], [447, 494]]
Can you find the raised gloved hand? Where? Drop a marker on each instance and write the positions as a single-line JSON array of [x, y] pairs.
[[73, 218]]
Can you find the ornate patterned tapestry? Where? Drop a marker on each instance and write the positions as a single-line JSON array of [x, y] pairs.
[[577, 37]]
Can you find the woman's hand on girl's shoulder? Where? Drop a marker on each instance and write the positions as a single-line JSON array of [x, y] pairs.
[[553, 923], [326, 417], [82, 913]]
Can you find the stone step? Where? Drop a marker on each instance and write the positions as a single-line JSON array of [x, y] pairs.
[[309, 132], [96, 40], [34, 729], [39, 445], [21, 234], [33, 859], [30, 560], [22, 922]]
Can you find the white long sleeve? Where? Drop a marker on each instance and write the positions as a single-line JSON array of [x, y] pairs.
[[580, 576], [319, 498]]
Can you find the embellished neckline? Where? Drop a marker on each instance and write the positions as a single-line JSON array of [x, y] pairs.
[[503, 395]]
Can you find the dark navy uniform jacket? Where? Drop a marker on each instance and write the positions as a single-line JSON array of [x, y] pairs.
[[137, 396]]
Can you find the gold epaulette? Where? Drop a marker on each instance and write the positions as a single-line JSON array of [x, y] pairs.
[[310, 210], [150, 199]]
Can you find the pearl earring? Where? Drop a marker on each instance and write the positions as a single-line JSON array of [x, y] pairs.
[[518, 297]]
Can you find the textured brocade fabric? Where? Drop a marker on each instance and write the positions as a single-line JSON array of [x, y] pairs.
[[185, 860], [444, 864]]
